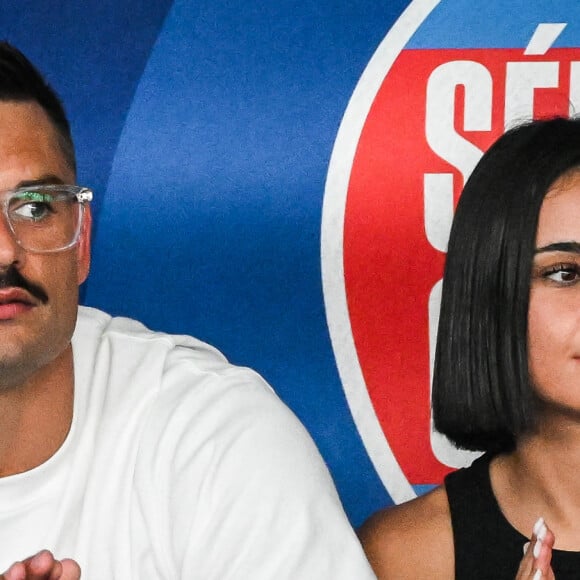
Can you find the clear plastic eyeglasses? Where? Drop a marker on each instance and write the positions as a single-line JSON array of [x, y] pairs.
[[46, 218]]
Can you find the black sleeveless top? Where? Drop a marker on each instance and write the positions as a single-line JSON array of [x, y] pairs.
[[486, 545]]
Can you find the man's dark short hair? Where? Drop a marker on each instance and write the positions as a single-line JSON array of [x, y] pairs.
[[20, 81], [483, 398]]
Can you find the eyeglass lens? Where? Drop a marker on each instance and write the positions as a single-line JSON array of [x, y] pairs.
[[44, 222]]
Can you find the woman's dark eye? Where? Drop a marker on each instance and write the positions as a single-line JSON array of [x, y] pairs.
[[564, 275]]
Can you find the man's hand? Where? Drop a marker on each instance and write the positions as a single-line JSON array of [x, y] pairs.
[[43, 566]]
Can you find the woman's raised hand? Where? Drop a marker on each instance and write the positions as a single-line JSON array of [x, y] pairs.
[[535, 564]]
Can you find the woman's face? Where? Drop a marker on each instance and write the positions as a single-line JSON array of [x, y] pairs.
[[554, 312]]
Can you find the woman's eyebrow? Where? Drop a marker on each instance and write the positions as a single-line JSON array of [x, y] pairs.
[[570, 247]]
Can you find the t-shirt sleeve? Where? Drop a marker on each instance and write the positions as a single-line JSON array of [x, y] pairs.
[[241, 490]]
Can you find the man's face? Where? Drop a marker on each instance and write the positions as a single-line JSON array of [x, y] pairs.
[[35, 327]]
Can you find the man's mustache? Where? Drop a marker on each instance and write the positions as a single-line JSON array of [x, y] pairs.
[[12, 278]]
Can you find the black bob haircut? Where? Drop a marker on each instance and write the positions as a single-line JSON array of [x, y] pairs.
[[483, 399], [20, 81]]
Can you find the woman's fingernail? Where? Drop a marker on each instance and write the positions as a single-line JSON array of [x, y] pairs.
[[526, 546], [537, 575], [537, 549], [538, 525], [542, 533]]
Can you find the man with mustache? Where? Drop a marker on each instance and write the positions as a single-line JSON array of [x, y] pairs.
[[125, 452]]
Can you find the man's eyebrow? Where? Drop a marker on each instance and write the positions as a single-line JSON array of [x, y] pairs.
[[48, 179], [570, 247]]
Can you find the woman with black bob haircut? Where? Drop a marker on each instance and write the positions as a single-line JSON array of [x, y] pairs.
[[483, 399], [506, 378]]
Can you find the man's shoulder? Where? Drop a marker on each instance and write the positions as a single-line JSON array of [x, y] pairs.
[[177, 373], [96, 325], [411, 540], [214, 445], [127, 343], [181, 391]]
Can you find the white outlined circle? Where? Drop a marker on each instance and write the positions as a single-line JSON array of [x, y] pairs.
[[332, 238]]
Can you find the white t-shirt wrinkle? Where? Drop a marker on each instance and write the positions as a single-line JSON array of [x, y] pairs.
[[177, 465]]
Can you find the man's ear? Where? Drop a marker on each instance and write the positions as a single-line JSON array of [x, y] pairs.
[[84, 245]]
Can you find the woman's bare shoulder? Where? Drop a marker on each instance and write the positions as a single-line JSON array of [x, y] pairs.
[[413, 540]]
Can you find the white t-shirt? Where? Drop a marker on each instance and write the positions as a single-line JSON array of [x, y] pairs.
[[177, 465]]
